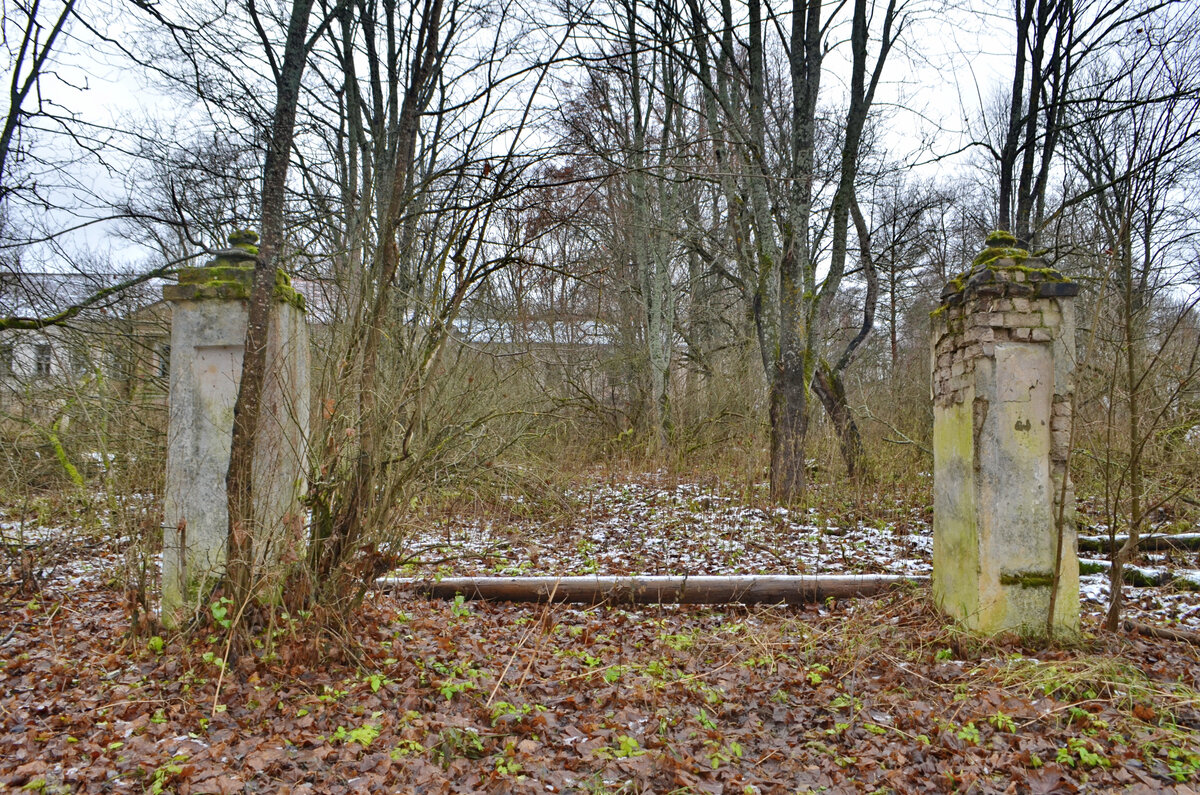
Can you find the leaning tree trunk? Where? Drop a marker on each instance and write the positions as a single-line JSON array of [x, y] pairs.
[[831, 391], [828, 382], [238, 481]]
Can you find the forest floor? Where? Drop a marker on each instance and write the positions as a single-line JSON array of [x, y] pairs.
[[867, 695], [658, 524]]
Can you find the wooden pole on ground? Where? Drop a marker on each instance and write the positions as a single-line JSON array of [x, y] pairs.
[[742, 589], [1155, 542]]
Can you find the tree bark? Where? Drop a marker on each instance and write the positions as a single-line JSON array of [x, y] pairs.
[[831, 391], [238, 481], [828, 382], [793, 359]]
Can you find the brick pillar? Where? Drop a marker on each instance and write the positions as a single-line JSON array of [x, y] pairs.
[[209, 313], [1003, 359]]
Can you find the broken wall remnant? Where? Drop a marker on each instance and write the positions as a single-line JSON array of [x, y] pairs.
[[1002, 349], [210, 310]]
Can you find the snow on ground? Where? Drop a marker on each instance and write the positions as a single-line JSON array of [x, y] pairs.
[[637, 527], [651, 528], [65, 554], [1160, 605]]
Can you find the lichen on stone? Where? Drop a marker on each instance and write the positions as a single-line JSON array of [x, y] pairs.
[[990, 255], [230, 276], [1029, 579], [1044, 274], [244, 239]]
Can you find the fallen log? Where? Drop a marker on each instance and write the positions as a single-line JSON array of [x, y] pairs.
[[1166, 633], [1144, 577], [742, 589], [1154, 542]]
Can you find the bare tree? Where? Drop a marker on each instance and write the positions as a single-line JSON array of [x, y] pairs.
[[44, 145], [1056, 40], [31, 36], [1136, 150], [803, 299], [424, 159]]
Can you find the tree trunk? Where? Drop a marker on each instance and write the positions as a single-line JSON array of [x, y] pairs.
[[239, 487], [765, 304], [828, 382], [1012, 139], [801, 305], [1131, 310], [397, 119], [652, 225], [791, 377], [789, 428], [831, 391]]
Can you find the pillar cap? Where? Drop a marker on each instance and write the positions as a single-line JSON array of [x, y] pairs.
[[1003, 269], [229, 276]]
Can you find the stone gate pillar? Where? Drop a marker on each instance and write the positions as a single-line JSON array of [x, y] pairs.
[[1003, 360], [209, 313]]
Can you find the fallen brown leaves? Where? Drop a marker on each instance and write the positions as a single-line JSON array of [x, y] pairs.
[[466, 697]]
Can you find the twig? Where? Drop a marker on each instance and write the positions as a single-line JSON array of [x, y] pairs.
[[517, 650], [904, 438], [538, 648], [1056, 710], [50, 625], [233, 627]]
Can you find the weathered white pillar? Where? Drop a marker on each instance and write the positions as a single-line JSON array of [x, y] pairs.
[[209, 312], [1003, 360]]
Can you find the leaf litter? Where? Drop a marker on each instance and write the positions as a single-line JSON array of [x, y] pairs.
[[431, 696]]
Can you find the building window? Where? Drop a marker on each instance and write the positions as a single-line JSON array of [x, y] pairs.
[[119, 367], [164, 361], [79, 359], [41, 364]]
